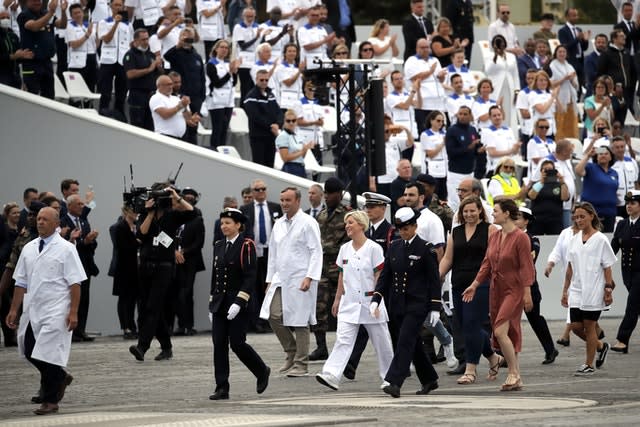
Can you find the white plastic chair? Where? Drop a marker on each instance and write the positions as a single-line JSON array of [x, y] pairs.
[[485, 50], [635, 144], [60, 91], [312, 165], [229, 150], [477, 76], [553, 44], [239, 123], [77, 88], [577, 146], [203, 133]]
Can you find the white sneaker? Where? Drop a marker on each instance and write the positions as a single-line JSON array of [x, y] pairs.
[[328, 380], [452, 362], [384, 384]]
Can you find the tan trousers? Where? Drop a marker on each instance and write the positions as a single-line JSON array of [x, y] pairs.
[[296, 348]]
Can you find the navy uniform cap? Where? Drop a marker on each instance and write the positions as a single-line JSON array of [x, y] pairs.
[[406, 216], [234, 214], [375, 199], [632, 196]]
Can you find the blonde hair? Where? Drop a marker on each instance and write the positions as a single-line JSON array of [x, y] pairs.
[[360, 217], [378, 26]]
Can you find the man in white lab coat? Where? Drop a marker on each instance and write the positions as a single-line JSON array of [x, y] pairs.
[[48, 277], [294, 268]]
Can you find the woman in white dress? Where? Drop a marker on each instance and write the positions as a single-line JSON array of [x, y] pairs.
[[542, 101], [384, 45], [360, 262], [502, 70], [564, 76], [588, 284], [432, 140]]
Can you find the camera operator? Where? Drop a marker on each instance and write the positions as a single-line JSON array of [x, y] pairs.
[[157, 230], [547, 197]]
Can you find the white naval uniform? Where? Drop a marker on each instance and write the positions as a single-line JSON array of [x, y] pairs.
[[358, 268], [430, 228], [588, 261], [47, 277], [295, 252]]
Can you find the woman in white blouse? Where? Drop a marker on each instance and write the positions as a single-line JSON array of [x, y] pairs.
[[542, 101], [384, 45], [502, 70], [288, 77], [432, 141], [360, 262], [564, 77]]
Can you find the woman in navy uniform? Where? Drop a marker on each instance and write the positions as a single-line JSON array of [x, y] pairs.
[[233, 278], [410, 284], [627, 238]]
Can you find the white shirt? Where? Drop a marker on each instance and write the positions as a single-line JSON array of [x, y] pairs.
[[287, 96], [588, 261], [522, 103], [468, 81], [211, 28], [538, 149], [437, 165], [430, 88], [256, 225], [393, 151], [147, 10], [77, 57], [537, 97], [479, 108], [276, 30], [506, 29], [501, 139], [219, 97], [174, 125], [559, 253], [358, 269], [430, 228], [114, 50], [308, 34], [453, 104], [244, 33]]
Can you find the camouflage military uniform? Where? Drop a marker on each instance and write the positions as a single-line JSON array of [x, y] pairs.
[[333, 235], [23, 238], [444, 212]]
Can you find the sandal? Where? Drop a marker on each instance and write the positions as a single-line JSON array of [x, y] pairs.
[[513, 383], [467, 378], [494, 369]]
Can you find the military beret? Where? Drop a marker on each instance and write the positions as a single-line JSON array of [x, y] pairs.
[[405, 216], [632, 196], [333, 185], [547, 17], [426, 178], [375, 199], [234, 214]]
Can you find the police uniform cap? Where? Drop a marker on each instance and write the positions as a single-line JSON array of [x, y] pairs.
[[405, 216], [35, 207], [234, 214], [375, 199], [333, 185], [526, 212], [426, 178], [632, 196]]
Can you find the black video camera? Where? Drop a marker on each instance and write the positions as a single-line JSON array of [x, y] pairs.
[[137, 197]]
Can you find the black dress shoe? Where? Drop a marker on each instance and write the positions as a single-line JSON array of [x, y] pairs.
[[461, 369], [180, 332], [38, 397], [46, 409], [320, 353], [550, 358], [63, 386], [137, 353], [220, 394], [392, 390], [427, 388], [563, 342], [263, 381], [191, 332], [87, 338], [164, 355], [349, 372]]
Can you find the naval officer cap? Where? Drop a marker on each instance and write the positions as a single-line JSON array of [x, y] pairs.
[[631, 196], [526, 212], [375, 199], [234, 214], [406, 216]]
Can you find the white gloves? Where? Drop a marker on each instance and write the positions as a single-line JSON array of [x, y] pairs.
[[233, 311], [434, 317], [373, 308], [210, 317]]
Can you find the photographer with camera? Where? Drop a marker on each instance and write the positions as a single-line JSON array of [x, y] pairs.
[[165, 212], [547, 197]]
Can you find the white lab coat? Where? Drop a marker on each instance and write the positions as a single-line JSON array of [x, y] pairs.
[[48, 276], [295, 252]]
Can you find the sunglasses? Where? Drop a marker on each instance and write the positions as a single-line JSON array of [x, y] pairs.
[[367, 49], [291, 120], [342, 53], [260, 189], [507, 167], [506, 13], [543, 127]]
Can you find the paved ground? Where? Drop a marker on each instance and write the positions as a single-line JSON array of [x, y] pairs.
[[112, 389]]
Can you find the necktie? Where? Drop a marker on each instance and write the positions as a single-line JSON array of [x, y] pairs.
[[77, 223], [575, 34], [41, 245], [262, 225], [227, 247], [370, 232], [421, 22], [314, 212]]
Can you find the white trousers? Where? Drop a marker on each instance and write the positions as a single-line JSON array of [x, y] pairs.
[[345, 340], [453, 179]]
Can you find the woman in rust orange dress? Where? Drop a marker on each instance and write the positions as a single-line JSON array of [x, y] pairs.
[[509, 265]]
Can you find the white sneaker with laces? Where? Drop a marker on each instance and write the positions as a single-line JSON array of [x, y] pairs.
[[584, 370], [452, 362]]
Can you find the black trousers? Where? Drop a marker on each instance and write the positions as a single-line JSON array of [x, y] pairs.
[[139, 112], [538, 322], [632, 310], [405, 333], [108, 75], [61, 54], [257, 297], [263, 149], [37, 76], [51, 376], [186, 277], [126, 311], [5, 304], [191, 134], [220, 119], [232, 333], [155, 279], [83, 307]]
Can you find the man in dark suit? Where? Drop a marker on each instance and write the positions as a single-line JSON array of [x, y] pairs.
[[460, 13], [616, 63], [528, 61], [632, 44], [339, 17], [189, 262], [410, 284], [261, 215], [416, 27], [30, 194], [576, 41], [316, 193], [80, 233], [591, 62]]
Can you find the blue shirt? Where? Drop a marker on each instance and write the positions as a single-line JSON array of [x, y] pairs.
[[599, 189]]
